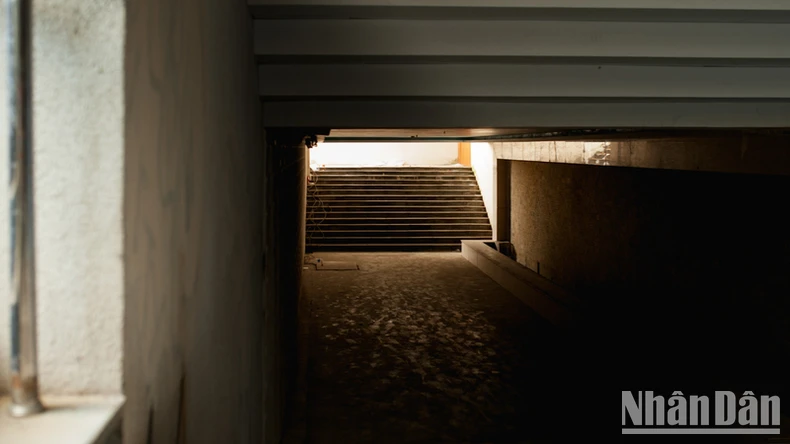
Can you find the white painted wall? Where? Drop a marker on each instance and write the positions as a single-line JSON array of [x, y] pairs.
[[384, 154], [484, 166], [78, 128]]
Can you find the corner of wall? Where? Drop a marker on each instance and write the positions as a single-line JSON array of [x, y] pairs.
[[484, 165]]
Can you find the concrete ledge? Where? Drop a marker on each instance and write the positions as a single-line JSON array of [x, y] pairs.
[[547, 299], [66, 420]]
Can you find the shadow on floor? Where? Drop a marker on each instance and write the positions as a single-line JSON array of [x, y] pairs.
[[422, 347], [425, 348]]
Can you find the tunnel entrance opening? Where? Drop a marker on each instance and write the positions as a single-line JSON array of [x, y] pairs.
[[410, 196]]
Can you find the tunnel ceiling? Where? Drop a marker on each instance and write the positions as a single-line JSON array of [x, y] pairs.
[[580, 64], [533, 134], [423, 134]]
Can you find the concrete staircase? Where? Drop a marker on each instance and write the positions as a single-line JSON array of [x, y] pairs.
[[394, 209]]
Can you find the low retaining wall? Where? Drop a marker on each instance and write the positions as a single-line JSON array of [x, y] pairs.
[[547, 299]]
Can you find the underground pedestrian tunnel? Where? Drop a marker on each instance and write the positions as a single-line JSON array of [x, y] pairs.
[[626, 169]]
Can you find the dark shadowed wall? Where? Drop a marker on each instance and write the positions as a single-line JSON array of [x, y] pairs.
[[193, 222], [284, 228], [685, 273]]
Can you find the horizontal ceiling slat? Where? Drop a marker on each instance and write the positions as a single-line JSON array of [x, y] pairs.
[[524, 63], [293, 12], [458, 38], [532, 114], [605, 10], [528, 60], [522, 81], [714, 5]]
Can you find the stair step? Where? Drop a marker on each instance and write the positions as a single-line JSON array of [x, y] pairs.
[[425, 226], [371, 247], [395, 221], [394, 208], [323, 232], [400, 198], [414, 169], [394, 239], [395, 174], [445, 180], [416, 185], [388, 208], [382, 217], [407, 183], [384, 205], [390, 178], [428, 192]]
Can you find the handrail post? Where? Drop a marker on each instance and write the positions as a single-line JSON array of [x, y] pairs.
[[24, 373]]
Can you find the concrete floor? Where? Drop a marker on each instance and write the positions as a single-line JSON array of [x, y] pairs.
[[425, 348], [419, 347]]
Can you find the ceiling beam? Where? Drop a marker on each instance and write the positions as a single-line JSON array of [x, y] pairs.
[[756, 11], [522, 81], [481, 39], [551, 114]]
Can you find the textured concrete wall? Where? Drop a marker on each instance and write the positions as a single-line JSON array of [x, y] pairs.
[[78, 136], [689, 267], [744, 152], [589, 226], [193, 222]]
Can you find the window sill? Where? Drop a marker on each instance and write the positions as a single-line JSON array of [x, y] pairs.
[[66, 420]]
